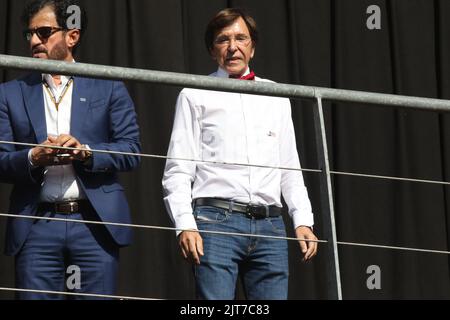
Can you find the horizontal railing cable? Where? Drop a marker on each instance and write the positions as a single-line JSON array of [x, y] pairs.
[[91, 295], [379, 246], [389, 177], [402, 248], [213, 83], [145, 155], [141, 226]]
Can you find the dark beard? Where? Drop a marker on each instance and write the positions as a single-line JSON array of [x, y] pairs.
[[59, 52]]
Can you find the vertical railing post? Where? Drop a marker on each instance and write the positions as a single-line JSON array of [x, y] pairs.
[[327, 206]]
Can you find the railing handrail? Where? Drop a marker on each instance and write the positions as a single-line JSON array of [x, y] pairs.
[[212, 83]]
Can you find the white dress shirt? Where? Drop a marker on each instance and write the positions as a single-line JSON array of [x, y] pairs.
[[60, 183], [233, 128]]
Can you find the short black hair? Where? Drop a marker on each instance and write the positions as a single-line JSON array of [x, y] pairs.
[[60, 9]]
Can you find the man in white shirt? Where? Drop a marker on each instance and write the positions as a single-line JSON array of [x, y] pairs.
[[229, 128], [64, 111]]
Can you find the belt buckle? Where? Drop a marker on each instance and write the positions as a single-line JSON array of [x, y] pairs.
[[257, 212], [72, 206], [251, 211], [68, 207]]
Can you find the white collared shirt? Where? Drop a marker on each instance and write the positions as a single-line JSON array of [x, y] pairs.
[[233, 128], [59, 182]]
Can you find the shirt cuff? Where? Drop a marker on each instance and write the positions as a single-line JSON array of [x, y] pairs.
[[300, 219], [30, 160], [186, 222]]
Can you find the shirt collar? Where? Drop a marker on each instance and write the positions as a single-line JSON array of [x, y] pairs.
[[48, 78], [223, 74]]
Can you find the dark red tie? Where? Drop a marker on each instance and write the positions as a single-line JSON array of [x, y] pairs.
[[250, 76]]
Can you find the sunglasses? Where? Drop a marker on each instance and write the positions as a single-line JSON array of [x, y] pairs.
[[42, 32]]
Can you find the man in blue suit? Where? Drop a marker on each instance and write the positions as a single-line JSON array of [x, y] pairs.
[[76, 112]]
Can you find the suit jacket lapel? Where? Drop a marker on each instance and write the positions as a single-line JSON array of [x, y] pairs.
[[80, 103], [34, 103]]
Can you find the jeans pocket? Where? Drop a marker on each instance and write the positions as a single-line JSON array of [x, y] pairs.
[[277, 225], [209, 215]]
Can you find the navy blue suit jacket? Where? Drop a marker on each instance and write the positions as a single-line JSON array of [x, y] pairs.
[[103, 117]]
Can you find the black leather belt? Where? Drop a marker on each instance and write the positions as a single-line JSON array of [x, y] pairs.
[[66, 207], [251, 211]]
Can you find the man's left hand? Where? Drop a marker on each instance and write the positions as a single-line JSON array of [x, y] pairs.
[[309, 248]]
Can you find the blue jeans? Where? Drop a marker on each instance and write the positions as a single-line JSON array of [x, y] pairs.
[[54, 248], [261, 263]]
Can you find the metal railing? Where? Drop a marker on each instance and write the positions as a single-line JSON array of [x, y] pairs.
[[211, 83], [317, 94]]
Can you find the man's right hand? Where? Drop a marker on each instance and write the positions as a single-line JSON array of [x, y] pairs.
[[191, 244], [43, 157]]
